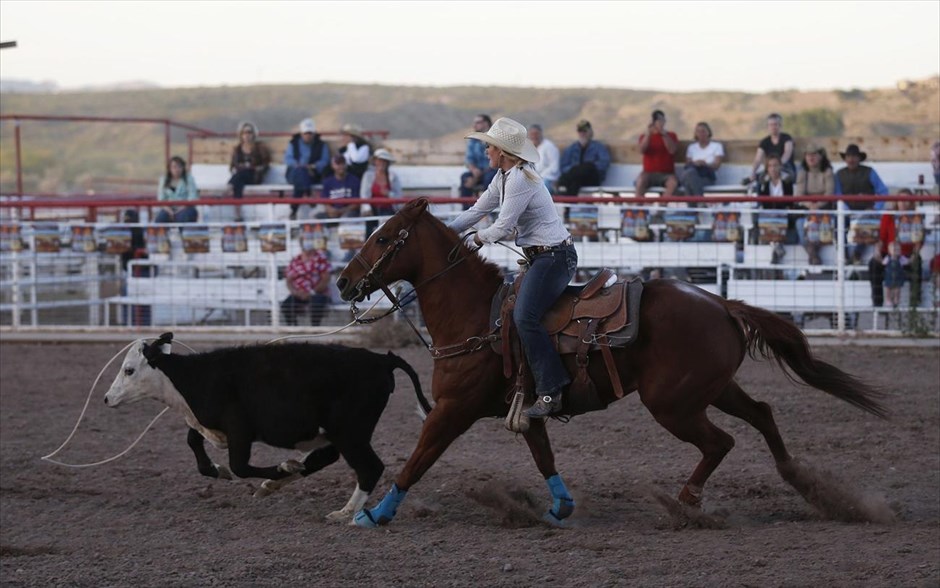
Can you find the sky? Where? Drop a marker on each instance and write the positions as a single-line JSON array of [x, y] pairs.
[[675, 46]]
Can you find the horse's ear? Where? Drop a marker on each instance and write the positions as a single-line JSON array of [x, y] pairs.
[[417, 206]]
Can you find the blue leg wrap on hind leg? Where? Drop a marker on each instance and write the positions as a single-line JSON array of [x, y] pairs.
[[562, 502], [384, 512]]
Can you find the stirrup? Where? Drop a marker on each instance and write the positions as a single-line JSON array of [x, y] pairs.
[[544, 406]]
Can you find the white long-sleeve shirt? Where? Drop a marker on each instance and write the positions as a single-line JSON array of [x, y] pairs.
[[526, 211], [549, 165]]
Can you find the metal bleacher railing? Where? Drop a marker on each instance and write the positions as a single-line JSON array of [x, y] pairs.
[[58, 275]]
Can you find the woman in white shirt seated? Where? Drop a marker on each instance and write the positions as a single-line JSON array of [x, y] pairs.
[[357, 150], [702, 159]]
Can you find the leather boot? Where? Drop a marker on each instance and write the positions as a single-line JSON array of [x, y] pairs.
[[545, 405]]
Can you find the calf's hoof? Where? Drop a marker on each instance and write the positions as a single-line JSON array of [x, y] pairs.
[[339, 516], [291, 466], [263, 490]]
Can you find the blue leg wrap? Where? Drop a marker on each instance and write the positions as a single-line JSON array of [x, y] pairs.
[[384, 512], [562, 502]]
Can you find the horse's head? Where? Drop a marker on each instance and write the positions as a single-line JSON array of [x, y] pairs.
[[383, 258]]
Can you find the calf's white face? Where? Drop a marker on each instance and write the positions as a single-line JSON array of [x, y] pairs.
[[137, 380]]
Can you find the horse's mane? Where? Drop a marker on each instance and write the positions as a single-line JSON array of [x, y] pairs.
[[488, 270]]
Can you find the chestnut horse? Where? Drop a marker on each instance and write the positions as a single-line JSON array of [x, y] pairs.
[[689, 346]]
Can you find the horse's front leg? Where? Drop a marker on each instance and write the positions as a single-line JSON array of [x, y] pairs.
[[541, 448], [446, 422]]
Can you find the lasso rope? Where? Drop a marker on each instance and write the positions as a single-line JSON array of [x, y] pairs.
[[94, 384]]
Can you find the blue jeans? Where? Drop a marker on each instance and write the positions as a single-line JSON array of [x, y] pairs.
[[302, 180], [292, 305], [545, 280], [187, 214], [484, 182]]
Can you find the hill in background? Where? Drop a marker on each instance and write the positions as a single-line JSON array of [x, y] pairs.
[[61, 156]]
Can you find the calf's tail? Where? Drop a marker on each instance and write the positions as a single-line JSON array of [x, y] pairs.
[[423, 405]]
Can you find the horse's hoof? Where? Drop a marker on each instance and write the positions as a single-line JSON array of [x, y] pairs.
[[338, 516], [550, 518], [222, 472], [364, 519], [689, 499], [564, 509]]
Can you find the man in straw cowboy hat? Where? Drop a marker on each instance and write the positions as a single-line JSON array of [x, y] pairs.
[[528, 213], [356, 151]]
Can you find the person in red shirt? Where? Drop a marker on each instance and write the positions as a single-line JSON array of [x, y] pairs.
[[308, 280], [659, 149], [888, 233]]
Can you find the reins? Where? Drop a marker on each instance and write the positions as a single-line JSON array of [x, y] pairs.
[[374, 274]]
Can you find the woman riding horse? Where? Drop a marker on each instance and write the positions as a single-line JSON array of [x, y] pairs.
[[526, 210], [688, 346]]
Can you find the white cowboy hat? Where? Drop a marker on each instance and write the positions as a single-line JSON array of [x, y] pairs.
[[511, 137], [383, 153], [352, 129]]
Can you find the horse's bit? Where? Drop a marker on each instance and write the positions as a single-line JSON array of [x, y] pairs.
[[374, 276]]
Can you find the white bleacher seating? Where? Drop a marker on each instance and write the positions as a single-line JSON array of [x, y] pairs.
[[621, 176], [801, 295]]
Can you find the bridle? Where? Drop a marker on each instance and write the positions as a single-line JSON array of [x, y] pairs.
[[373, 279]]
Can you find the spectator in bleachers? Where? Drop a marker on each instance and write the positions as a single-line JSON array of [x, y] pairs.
[[813, 178], [177, 186], [479, 174], [584, 162], [340, 186], [935, 162], [895, 274], [888, 232], [549, 163], [380, 181], [776, 185], [659, 149], [307, 156], [308, 281], [357, 150], [888, 229], [775, 144], [876, 276], [250, 161], [702, 160], [853, 179]]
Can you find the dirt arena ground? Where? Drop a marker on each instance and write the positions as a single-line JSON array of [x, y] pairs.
[[149, 519]]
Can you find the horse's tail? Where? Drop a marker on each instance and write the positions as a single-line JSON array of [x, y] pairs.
[[424, 407], [770, 336]]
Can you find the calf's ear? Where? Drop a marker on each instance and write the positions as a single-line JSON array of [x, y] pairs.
[[164, 342], [160, 347]]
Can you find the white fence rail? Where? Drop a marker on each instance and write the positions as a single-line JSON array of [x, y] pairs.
[[221, 289]]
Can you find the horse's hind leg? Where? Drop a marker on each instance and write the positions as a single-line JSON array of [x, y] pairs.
[[735, 402], [710, 440], [541, 448]]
